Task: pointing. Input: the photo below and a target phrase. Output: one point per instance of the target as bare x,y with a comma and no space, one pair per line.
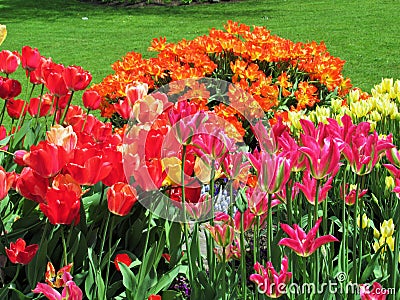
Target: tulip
19,253
269,281
30,58
323,161
136,91
19,157
222,234
364,221
258,201
88,166
122,258
273,170
58,279
309,186
44,105
350,198
75,78
120,198
304,244
91,100
71,291
9,61
55,83
32,186
123,108
62,136
6,182
3,33
9,88
38,159
154,297
16,108
376,293
387,228
61,205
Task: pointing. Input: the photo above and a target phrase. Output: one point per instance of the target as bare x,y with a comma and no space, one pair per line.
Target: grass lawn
365,35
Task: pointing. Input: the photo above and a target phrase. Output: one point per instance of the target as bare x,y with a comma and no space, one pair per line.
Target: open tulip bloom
304,244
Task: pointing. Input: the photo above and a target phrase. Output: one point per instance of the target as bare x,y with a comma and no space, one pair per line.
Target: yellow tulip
389,183
172,166
377,234
390,242
387,228
3,33
365,221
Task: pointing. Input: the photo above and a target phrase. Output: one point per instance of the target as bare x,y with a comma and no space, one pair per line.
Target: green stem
109,256
243,257
185,225
223,273
40,104
256,238
356,205
269,228
361,239
66,108
2,112
55,111
64,246
316,254
5,289
211,243
84,122
103,240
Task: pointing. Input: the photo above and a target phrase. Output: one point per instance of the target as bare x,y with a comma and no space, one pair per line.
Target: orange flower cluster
278,74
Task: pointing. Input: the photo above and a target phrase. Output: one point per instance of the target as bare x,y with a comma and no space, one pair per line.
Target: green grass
365,34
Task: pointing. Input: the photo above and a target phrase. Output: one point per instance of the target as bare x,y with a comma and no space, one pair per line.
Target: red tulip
120,198
9,61
304,244
123,108
54,81
19,253
6,182
154,297
88,166
9,88
38,159
113,156
91,99
269,281
36,76
19,157
32,186
62,205
30,58
16,107
122,258
45,106
76,78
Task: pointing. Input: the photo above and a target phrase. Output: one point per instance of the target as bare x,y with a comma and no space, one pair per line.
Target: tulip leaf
241,200
18,136
5,141
172,295
174,235
29,139
167,279
372,265
128,278
37,267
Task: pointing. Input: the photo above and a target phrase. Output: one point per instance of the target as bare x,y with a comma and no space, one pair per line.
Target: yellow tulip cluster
384,236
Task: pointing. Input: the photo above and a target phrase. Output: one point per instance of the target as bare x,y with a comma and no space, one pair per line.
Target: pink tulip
273,170
309,186
9,61
270,282
304,244
376,292
322,161
223,234
71,291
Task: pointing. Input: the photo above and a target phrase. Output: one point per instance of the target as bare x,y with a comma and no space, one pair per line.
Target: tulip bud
19,157
365,221
389,183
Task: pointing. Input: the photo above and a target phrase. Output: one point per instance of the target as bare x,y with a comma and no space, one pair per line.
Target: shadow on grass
23,10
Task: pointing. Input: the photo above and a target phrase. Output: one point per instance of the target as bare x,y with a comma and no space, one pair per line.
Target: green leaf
18,136
37,267
372,264
241,200
128,278
167,279
172,295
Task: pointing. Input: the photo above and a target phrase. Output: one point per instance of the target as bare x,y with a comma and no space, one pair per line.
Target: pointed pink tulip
269,281
222,234
309,185
9,61
273,170
322,161
304,244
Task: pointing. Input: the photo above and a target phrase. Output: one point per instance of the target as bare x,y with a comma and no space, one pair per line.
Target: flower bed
219,160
